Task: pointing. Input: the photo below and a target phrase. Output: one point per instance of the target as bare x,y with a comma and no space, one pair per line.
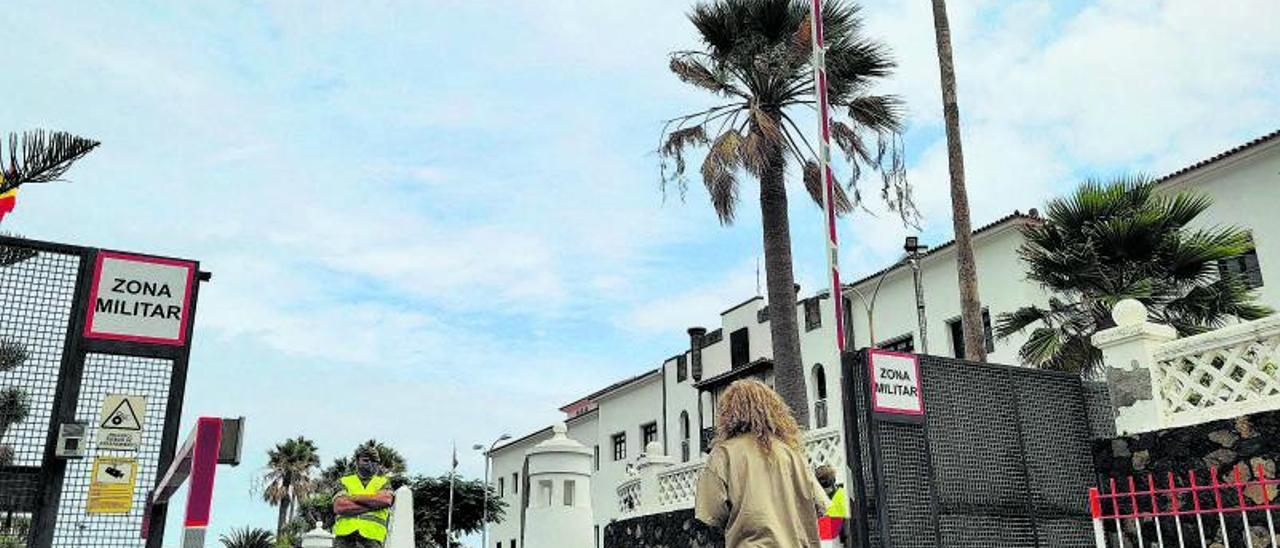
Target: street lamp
484,521
915,250
870,304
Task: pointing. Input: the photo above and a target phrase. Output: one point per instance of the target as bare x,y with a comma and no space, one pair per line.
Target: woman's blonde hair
750,407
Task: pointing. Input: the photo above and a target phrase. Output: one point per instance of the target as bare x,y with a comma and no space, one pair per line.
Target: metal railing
1195,511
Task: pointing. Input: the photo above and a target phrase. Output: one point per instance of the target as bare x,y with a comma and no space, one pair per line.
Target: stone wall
1217,447
668,530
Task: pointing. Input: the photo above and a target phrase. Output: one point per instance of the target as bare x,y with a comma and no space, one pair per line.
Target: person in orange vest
363,506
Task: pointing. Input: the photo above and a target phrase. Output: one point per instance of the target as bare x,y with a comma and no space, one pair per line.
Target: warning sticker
112,484
120,422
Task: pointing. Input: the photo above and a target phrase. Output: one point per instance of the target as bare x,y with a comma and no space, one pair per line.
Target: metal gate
58,375
1001,457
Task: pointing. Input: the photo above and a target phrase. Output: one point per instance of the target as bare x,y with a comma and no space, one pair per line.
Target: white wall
1246,192
623,410
1002,286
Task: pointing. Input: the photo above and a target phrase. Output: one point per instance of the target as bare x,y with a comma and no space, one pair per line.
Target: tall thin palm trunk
780,282
975,348
283,516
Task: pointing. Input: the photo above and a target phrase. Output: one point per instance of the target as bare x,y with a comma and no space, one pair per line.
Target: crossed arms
354,505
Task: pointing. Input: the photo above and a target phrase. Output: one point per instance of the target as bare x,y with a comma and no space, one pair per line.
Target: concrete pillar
317,538
652,463
400,531
1128,351
559,513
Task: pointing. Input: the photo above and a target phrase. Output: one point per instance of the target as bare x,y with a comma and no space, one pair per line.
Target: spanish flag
7,201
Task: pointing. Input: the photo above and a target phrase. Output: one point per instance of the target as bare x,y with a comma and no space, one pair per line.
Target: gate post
1127,351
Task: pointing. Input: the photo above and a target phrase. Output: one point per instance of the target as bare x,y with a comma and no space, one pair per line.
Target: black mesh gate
50,375
1001,458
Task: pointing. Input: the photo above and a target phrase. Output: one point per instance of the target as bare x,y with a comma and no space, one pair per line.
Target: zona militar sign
895,383
140,299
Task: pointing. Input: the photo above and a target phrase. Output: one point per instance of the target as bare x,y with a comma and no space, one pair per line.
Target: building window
762,315
502,487
597,457
515,483
820,391
619,446
905,343
957,334
544,492
684,436
569,487
513,543
648,434
1244,267
812,314
682,368
739,348
499,544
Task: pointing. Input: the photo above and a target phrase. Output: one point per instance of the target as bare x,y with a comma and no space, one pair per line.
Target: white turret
559,513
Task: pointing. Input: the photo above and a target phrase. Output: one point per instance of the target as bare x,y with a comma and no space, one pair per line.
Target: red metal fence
1191,511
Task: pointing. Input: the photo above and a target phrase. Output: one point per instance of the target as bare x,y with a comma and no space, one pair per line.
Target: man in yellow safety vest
838,511
363,505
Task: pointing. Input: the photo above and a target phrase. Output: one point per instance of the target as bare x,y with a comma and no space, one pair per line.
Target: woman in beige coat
757,484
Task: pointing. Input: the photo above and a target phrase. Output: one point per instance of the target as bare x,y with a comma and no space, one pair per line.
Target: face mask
366,469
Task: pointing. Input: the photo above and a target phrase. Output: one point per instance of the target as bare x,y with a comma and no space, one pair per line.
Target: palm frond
718,174
12,354
40,156
814,184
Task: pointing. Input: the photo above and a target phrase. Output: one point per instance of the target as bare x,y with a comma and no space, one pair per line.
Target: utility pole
484,521
915,250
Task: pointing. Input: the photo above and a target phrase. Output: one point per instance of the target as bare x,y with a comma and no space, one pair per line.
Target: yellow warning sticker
112,484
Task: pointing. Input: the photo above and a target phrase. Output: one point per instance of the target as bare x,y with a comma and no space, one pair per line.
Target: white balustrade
677,485
1221,374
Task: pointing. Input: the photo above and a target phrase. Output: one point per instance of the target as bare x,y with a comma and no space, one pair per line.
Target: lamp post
870,304
484,521
915,250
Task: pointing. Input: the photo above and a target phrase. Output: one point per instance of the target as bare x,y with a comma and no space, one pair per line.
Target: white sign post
895,383
140,299
120,422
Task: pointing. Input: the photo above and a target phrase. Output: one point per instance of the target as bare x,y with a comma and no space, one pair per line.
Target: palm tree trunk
284,509
788,368
975,347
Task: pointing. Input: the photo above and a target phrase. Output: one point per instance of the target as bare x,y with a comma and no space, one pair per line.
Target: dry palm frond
718,174
695,72
41,157
814,184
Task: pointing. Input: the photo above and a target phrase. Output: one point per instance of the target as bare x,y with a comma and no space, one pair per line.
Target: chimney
695,351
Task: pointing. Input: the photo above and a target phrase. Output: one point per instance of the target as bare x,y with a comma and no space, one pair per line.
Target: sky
440,221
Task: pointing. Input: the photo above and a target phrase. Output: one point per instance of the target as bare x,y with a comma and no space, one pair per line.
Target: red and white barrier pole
204,464
1099,528
824,164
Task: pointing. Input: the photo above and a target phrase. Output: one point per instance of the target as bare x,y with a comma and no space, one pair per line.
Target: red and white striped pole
824,164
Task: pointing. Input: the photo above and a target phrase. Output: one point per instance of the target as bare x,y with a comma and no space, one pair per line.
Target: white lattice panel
1221,369
676,488
629,497
824,447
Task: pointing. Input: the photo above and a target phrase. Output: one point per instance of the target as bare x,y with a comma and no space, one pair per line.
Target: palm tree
247,538
288,475
1120,240
967,271
756,59
34,157
40,156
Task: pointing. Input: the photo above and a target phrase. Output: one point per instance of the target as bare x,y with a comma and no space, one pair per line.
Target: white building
674,403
